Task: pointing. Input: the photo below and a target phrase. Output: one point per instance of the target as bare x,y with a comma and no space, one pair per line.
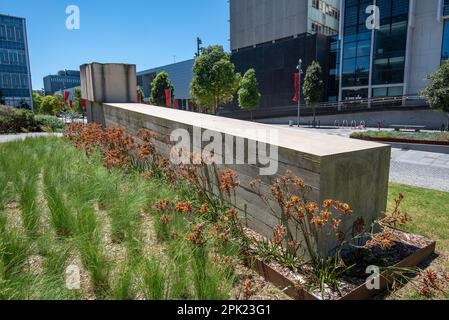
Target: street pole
299,67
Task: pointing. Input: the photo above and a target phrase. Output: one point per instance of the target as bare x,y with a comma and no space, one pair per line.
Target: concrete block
352,171
109,82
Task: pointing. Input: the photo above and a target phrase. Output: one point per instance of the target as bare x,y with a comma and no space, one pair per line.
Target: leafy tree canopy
160,83
437,91
313,84
248,93
214,80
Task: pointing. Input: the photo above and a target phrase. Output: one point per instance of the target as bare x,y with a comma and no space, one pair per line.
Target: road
415,168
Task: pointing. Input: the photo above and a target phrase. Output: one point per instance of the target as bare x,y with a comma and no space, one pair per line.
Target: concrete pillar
109,83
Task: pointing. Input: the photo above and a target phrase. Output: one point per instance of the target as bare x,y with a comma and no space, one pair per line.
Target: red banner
66,95
71,104
168,98
296,97
83,103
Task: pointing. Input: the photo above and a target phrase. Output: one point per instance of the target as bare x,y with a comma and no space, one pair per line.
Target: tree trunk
216,106
314,116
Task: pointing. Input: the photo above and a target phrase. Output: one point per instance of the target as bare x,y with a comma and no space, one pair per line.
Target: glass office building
393,58
64,79
15,75
445,50
373,59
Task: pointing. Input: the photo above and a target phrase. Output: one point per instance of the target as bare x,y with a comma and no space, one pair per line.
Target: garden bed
438,138
410,251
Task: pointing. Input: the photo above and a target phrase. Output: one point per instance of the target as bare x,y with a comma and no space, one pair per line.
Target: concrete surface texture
109,82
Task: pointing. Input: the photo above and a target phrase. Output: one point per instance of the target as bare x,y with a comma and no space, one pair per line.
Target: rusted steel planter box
359,293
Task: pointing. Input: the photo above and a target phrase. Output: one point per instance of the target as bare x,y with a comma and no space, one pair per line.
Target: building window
446,8
445,50
357,45
388,92
2,32
356,94
390,42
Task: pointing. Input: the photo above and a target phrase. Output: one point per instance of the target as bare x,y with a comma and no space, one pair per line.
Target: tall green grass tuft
61,219
90,248
28,202
124,289
155,280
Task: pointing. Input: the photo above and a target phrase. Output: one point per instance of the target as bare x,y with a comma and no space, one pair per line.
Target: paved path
415,168
421,169
23,136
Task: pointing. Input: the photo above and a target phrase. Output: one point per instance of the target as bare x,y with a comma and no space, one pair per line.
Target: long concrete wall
352,171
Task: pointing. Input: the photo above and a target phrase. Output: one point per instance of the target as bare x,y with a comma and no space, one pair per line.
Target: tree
51,105
141,93
437,91
77,107
313,86
214,80
2,99
160,83
248,93
37,102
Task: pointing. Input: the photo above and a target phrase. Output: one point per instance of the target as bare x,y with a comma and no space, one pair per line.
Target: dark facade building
271,36
15,74
62,80
275,65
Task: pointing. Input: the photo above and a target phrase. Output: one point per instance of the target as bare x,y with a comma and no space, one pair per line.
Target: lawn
429,210
420,136
62,211
134,236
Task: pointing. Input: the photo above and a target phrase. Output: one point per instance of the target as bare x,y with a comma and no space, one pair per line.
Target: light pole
299,67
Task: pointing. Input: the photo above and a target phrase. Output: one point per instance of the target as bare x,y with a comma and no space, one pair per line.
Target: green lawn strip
424,136
429,210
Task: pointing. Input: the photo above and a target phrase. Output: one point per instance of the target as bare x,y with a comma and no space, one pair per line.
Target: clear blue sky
147,33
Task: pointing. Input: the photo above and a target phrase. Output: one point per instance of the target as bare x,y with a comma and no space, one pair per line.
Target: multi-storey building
15,75
394,57
180,74
254,22
62,80
271,36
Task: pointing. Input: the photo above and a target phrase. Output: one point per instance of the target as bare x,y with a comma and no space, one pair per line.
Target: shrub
49,123
16,120
22,120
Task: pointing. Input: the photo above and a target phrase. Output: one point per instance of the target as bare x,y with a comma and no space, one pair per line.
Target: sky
148,33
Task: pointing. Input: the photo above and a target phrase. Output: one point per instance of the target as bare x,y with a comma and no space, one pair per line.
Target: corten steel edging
399,140
360,293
